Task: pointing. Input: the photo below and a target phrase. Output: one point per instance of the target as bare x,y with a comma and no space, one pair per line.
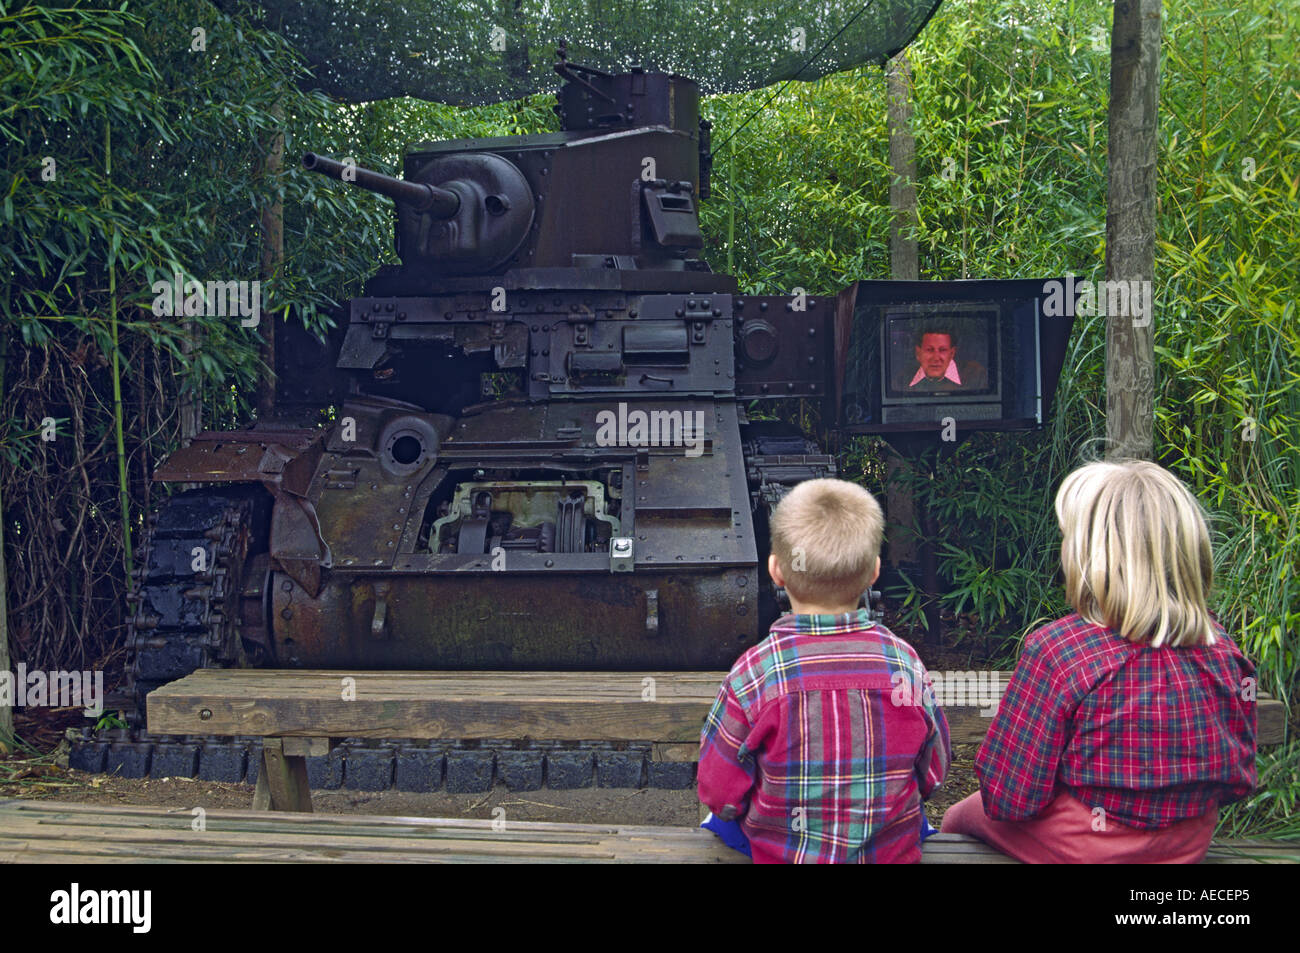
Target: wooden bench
55,832
301,713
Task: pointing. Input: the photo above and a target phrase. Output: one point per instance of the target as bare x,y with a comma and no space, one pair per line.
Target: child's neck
810,608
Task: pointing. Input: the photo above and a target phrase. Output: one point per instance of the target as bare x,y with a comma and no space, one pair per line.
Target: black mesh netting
471,52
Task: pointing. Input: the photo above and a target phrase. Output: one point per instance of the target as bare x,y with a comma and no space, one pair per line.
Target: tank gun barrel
440,203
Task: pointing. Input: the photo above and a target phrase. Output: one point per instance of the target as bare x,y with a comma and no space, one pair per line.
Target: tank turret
614,190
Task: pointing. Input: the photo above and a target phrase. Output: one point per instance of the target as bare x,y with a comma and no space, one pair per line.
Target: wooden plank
1270,727
592,706
960,849
111,839
99,833
286,778
66,812
59,832
261,791
307,747
597,706
117,840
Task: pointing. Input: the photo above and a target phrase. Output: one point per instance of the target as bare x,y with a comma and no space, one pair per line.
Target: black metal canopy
472,52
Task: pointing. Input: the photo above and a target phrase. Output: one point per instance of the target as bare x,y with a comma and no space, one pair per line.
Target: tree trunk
903,261
903,266
191,403
1130,226
272,260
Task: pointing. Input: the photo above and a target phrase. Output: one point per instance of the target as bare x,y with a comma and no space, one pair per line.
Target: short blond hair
1136,553
826,538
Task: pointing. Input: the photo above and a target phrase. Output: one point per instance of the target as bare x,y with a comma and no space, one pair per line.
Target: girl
1126,724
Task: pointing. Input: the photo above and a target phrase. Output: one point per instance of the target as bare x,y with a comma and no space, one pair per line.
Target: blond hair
826,537
1136,553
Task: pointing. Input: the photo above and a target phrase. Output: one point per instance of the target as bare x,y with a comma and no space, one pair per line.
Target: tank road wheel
197,600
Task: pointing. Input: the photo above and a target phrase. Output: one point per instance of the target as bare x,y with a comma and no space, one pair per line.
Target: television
918,355
940,358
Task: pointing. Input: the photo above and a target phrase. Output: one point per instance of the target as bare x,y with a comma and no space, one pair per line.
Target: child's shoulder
896,643
1069,641
792,637
1073,638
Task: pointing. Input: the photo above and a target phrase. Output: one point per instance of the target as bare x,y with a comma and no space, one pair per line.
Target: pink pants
1067,832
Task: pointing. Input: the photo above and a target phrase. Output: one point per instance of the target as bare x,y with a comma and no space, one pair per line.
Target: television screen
947,353
916,356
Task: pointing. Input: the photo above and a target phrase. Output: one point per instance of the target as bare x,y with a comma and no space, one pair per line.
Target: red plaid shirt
1151,736
809,741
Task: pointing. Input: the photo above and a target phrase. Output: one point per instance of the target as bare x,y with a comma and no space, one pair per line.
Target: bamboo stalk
6,713
731,211
123,496
272,261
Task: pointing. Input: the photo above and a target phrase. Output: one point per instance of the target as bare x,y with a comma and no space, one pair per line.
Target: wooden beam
561,706
307,747
553,705
286,778
62,832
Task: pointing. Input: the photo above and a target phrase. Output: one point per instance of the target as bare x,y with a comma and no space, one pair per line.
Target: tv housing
1006,355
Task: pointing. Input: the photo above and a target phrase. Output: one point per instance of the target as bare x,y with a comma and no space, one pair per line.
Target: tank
538,454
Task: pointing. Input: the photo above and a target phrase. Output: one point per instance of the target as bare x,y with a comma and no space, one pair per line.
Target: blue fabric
729,832
926,829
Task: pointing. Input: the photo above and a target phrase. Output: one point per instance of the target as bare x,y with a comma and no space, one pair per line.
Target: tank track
186,599
183,620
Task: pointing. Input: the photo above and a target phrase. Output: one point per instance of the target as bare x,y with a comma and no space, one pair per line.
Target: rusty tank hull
613,532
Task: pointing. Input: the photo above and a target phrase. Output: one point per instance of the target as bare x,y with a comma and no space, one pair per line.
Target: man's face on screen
935,354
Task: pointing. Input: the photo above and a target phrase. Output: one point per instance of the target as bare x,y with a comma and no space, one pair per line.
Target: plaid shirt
818,739
1151,736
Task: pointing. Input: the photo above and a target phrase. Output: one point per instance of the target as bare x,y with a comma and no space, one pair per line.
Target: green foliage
128,158
1010,122
1229,417
109,720
1273,811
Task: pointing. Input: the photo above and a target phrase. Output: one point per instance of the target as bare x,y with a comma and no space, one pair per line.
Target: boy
822,741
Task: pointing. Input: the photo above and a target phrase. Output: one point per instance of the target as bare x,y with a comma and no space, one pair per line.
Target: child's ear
875,573
774,570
